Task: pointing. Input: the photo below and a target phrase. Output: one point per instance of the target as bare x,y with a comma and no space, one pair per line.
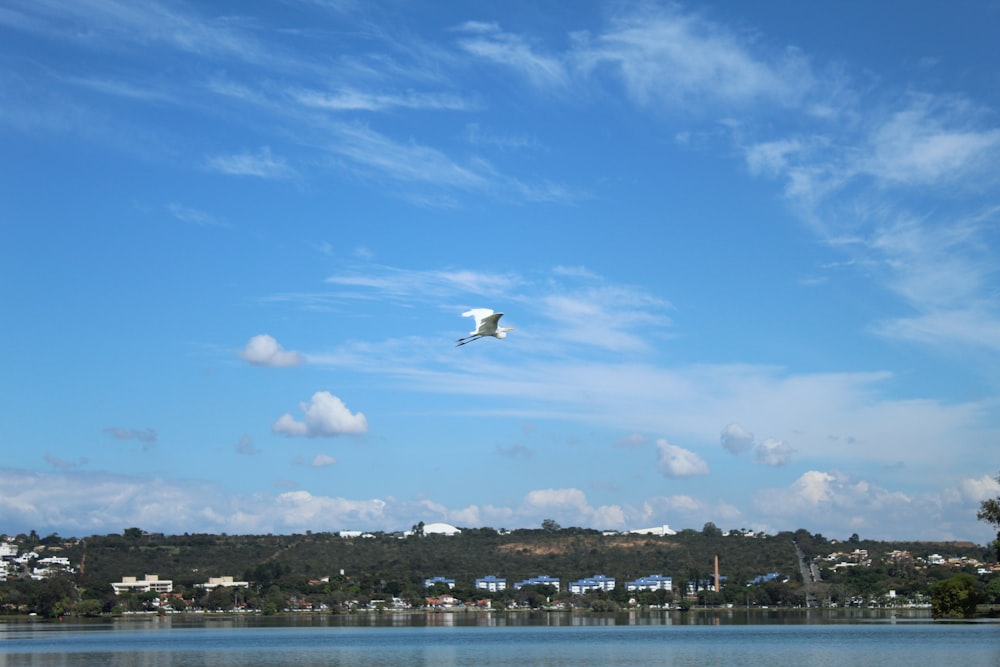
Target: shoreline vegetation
708,571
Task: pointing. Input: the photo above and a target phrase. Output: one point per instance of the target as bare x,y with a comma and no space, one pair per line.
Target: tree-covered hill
329,571
568,554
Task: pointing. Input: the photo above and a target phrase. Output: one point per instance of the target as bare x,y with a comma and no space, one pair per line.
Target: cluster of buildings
840,560
598,582
151,583
30,562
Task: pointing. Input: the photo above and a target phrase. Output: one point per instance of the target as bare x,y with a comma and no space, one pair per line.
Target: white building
654,582
440,529
152,582
657,530
439,580
598,582
491,583
225,582
541,580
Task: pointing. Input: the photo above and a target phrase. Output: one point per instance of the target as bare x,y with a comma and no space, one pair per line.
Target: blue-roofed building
541,580
654,582
764,578
598,582
439,580
491,583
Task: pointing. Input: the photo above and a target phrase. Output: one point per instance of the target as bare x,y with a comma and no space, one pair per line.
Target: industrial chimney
717,589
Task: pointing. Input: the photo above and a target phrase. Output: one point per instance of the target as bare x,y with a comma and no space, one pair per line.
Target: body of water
505,640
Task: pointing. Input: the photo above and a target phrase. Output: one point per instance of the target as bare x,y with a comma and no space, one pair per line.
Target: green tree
955,597
711,530
550,526
989,511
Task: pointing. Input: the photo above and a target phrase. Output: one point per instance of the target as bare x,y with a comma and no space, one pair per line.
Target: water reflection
750,638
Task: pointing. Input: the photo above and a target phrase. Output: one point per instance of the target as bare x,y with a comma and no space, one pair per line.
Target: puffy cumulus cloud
325,416
681,511
81,503
773,452
978,489
736,439
674,461
301,509
264,350
322,461
557,499
568,507
834,502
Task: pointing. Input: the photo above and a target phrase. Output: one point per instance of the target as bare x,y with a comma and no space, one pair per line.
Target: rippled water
505,640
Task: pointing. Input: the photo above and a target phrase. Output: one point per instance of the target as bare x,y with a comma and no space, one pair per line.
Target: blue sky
750,251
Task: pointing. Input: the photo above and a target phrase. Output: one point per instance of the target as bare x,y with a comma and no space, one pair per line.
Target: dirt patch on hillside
563,546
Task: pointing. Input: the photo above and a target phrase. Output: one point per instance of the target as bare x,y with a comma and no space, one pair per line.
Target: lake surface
747,639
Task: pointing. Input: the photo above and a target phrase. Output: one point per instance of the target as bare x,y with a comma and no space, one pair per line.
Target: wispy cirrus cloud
352,99
668,58
147,437
262,164
939,154
486,40
195,216
394,282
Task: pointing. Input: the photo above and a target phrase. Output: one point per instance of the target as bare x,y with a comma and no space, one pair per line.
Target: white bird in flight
487,324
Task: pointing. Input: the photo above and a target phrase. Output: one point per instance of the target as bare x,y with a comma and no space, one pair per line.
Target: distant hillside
568,554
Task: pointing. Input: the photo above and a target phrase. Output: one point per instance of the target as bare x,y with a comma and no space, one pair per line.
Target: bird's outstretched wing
489,324
486,320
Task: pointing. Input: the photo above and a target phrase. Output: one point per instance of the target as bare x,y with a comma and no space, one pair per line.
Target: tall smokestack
717,589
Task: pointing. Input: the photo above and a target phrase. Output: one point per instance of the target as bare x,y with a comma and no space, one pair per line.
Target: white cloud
322,460
845,505
487,41
736,439
86,503
261,164
325,416
978,489
556,499
632,441
350,99
264,350
930,142
194,216
666,58
675,461
773,452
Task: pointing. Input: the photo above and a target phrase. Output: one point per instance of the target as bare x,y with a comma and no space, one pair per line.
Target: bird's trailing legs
467,339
